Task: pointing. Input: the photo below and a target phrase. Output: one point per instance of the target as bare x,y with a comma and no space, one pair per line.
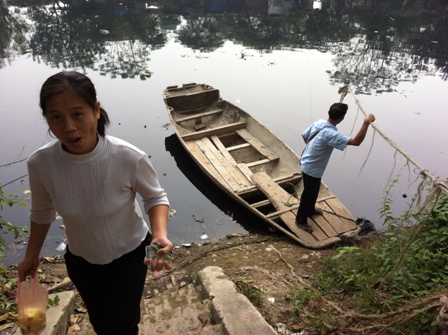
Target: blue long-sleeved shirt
317,152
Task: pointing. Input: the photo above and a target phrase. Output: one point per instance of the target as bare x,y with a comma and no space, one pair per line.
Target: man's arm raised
361,135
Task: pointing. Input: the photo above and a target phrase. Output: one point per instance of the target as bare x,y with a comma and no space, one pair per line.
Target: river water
284,69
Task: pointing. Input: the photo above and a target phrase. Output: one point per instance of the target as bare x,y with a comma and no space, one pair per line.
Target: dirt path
266,268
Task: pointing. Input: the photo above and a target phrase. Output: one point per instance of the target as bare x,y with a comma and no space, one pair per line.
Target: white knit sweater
95,194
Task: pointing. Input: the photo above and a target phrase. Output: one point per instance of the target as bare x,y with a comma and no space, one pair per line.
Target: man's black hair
337,110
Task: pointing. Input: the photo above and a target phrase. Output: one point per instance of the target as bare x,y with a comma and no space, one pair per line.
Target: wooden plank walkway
326,228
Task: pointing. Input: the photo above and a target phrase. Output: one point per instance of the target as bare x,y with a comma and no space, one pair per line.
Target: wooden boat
252,165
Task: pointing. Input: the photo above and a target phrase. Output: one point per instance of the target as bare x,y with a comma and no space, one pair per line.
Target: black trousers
111,292
311,186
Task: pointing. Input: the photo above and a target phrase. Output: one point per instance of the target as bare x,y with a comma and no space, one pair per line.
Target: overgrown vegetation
253,293
393,287
5,226
7,200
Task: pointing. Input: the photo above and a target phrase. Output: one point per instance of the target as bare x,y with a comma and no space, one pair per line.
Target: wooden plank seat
259,162
197,116
237,147
259,146
221,130
192,110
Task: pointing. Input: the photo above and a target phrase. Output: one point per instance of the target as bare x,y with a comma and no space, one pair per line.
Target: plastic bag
32,300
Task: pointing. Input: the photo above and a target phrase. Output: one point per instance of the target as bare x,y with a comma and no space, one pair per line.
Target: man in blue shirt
321,138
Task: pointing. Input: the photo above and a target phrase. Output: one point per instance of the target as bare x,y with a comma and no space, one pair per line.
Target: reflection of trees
72,39
390,47
64,40
264,33
374,49
12,34
201,33
302,29
133,37
430,42
375,46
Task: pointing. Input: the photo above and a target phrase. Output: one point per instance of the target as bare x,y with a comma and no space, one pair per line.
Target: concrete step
214,298
212,304
233,310
180,311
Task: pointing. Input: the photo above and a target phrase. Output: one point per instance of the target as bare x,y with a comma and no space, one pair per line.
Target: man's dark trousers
308,199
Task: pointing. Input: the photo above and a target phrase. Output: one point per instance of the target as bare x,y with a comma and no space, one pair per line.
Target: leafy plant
6,284
343,250
301,298
389,220
53,302
247,288
405,266
7,227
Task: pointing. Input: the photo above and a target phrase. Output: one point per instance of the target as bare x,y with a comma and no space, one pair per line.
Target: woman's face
73,122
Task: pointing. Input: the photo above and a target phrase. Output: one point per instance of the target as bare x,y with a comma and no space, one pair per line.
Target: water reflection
376,45
13,28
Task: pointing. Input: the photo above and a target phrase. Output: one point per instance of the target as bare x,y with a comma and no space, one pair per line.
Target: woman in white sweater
91,181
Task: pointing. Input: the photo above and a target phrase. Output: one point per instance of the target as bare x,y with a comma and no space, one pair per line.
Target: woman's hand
29,264
27,267
158,217
162,259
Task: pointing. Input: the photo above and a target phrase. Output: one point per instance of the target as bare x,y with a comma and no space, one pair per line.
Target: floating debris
104,32
204,236
199,220
147,72
62,246
172,213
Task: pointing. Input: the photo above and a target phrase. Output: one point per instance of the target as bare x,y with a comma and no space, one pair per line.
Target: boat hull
251,164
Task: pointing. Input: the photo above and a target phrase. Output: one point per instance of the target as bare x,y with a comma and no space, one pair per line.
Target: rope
437,183
442,319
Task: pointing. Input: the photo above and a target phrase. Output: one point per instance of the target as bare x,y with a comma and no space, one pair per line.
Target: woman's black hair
337,110
80,85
